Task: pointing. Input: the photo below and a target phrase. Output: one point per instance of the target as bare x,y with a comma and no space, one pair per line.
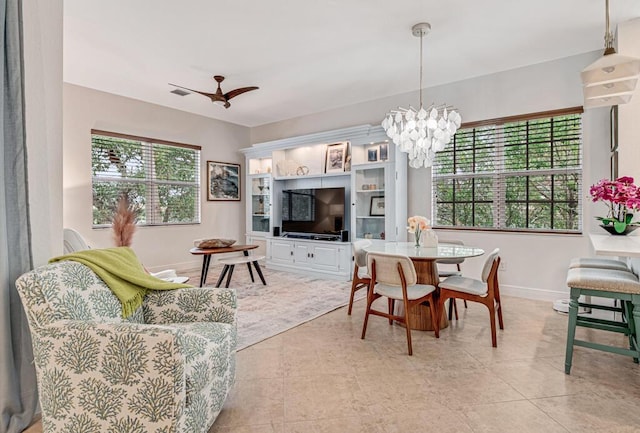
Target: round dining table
424,260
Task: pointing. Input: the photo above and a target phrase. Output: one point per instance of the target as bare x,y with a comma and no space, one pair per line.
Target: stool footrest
606,348
600,307
605,325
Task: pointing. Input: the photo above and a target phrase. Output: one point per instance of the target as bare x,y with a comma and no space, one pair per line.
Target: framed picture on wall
223,181
384,151
377,206
372,154
336,156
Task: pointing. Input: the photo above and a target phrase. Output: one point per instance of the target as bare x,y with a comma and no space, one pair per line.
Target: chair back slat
359,254
386,269
490,263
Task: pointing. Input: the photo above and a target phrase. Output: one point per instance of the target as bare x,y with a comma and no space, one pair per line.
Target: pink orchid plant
622,196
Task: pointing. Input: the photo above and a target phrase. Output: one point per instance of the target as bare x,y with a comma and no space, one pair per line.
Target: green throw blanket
121,270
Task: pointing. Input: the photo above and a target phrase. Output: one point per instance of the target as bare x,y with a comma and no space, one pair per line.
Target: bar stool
604,283
598,263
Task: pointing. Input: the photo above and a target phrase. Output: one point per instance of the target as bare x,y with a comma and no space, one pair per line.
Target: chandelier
422,132
611,79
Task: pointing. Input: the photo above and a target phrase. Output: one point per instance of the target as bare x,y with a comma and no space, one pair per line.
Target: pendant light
612,79
424,131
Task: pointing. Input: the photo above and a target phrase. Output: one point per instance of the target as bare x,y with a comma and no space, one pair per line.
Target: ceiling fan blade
209,95
240,91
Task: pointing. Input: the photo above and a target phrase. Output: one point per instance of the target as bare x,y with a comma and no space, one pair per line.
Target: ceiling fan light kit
422,132
612,79
218,97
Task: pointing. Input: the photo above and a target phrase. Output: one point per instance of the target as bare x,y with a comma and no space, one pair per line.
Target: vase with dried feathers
124,222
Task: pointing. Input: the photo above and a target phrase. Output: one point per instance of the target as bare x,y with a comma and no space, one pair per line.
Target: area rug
288,300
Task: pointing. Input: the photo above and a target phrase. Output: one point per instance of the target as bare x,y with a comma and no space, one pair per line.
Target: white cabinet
280,251
372,172
332,259
378,202
259,204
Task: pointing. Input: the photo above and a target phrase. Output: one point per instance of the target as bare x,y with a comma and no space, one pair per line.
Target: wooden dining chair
361,277
445,273
486,292
393,276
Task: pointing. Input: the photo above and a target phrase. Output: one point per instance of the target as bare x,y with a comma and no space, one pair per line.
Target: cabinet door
260,204
369,202
281,252
302,253
325,258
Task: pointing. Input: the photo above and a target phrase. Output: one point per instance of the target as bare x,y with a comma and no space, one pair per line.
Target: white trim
357,135
533,293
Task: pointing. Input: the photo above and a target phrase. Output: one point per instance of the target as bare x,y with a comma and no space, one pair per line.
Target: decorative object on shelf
421,132
611,79
347,163
621,196
377,206
368,236
213,243
303,170
287,167
418,224
336,157
365,187
372,154
383,153
223,181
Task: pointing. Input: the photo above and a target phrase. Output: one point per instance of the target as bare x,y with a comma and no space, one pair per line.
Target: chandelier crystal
422,132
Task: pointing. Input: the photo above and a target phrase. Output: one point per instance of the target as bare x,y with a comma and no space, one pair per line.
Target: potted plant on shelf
622,196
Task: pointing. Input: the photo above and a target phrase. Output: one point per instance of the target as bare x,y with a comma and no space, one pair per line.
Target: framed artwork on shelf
384,151
377,206
223,181
336,157
372,154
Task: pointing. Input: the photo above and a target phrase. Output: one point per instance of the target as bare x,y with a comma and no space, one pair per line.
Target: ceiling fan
219,97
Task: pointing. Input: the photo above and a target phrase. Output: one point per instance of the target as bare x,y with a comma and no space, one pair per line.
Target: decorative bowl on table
627,229
213,243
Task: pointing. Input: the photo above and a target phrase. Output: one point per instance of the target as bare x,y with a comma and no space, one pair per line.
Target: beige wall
534,265
157,247
629,114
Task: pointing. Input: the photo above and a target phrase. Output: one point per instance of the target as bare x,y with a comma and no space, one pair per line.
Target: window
161,179
522,173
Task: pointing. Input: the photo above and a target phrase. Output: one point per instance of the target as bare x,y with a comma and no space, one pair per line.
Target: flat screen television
313,210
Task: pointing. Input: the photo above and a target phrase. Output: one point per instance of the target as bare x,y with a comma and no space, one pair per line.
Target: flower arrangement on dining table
622,196
417,224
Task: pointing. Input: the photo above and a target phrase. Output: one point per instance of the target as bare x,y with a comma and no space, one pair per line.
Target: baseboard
533,293
183,266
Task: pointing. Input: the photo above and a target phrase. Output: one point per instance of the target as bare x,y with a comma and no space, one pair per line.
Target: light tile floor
321,378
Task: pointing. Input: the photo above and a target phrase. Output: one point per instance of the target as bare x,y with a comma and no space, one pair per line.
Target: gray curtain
18,397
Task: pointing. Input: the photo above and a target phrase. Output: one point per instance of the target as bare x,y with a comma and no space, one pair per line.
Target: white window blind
519,173
161,179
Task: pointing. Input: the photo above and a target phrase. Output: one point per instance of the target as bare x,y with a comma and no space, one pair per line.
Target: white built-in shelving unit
375,182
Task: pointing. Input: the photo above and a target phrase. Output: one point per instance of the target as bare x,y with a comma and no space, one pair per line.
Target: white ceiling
309,56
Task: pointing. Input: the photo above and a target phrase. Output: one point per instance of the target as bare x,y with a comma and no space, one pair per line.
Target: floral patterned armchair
167,368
